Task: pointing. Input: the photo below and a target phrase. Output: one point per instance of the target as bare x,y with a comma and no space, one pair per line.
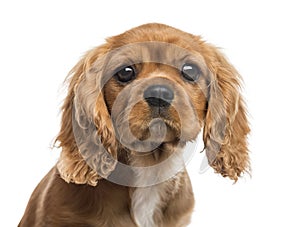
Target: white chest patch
144,203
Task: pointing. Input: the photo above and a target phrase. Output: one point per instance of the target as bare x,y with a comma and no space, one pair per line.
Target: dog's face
149,87
157,93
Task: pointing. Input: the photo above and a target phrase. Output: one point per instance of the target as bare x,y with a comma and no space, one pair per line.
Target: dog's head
150,87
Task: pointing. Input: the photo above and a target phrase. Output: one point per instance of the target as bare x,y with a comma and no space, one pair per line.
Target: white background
40,41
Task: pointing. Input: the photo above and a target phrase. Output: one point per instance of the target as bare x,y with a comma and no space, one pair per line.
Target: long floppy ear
226,126
86,135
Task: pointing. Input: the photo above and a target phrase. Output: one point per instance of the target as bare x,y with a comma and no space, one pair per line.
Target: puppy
132,105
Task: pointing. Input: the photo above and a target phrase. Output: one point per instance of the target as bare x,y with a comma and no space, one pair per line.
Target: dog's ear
226,126
86,135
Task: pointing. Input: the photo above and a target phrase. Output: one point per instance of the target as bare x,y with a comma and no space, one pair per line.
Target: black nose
158,95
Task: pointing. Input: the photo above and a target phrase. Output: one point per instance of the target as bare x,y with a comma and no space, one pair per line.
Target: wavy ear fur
86,125
226,125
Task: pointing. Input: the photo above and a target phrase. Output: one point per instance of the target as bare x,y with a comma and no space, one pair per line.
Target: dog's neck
150,158
148,203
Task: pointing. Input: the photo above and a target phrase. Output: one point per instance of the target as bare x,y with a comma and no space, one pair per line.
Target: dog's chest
144,203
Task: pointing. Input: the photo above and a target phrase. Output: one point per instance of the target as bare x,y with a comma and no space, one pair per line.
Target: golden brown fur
78,191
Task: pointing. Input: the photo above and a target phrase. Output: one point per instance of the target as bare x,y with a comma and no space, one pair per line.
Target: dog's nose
159,95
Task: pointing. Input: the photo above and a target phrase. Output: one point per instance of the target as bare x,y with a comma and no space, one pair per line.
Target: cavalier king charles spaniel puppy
133,104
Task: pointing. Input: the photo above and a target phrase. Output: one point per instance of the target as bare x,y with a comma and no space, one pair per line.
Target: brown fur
76,192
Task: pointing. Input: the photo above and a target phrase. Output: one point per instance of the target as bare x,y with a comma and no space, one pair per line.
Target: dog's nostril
159,95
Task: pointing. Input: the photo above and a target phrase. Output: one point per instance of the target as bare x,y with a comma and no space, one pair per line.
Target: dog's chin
151,135
160,129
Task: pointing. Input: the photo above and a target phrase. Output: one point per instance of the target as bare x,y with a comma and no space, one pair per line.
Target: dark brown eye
126,74
191,72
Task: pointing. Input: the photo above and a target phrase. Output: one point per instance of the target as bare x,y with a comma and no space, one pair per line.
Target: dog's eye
190,72
126,74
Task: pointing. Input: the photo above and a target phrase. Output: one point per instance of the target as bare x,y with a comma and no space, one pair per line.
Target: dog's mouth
149,134
162,132
160,129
